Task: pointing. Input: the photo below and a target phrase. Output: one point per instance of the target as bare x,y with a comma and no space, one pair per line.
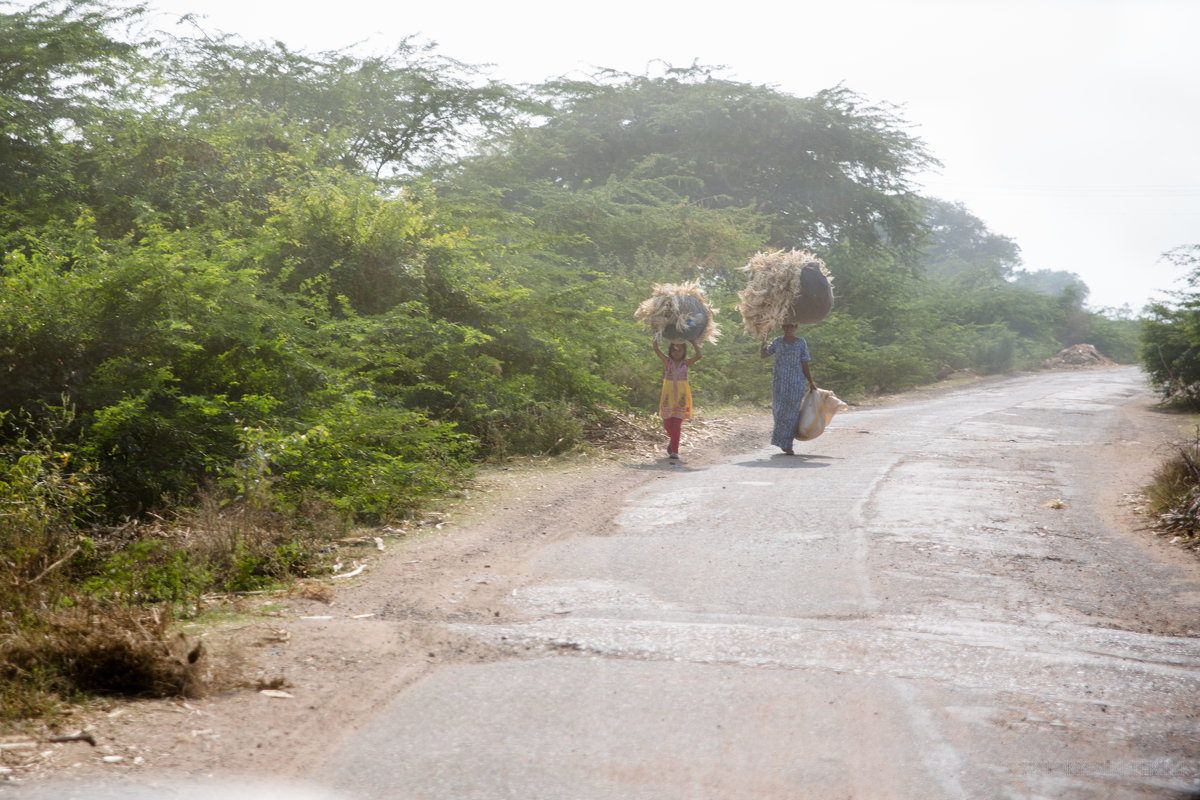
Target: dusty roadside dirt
341,647
328,666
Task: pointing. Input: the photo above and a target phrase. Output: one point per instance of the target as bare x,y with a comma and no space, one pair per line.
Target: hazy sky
1070,126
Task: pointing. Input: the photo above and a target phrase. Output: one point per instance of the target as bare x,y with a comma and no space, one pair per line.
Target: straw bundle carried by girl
784,287
679,312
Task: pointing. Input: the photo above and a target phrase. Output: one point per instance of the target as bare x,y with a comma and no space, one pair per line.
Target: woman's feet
787,451
672,454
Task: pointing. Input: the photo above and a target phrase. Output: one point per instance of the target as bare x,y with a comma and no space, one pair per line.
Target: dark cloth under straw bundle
679,312
784,287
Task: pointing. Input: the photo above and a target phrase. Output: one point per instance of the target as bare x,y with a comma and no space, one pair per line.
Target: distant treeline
340,279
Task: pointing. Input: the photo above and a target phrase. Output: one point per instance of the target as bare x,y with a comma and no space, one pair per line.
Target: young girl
675,404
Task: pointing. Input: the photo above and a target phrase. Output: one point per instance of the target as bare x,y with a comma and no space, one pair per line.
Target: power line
1097,191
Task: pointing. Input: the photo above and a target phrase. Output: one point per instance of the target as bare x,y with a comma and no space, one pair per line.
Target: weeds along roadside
92,611
89,611
1172,498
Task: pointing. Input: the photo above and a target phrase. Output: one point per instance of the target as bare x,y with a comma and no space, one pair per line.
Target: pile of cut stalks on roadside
1172,500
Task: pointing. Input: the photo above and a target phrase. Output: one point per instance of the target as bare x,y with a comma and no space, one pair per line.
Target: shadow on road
665,465
798,461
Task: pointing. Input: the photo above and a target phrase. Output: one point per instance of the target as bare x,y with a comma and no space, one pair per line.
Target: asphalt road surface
926,602
941,597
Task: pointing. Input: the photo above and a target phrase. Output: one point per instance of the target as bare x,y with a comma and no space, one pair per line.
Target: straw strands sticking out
781,290
679,311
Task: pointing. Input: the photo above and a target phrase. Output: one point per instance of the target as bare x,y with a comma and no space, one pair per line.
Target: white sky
1070,126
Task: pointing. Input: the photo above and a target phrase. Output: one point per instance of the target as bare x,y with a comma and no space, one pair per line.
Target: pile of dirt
1077,356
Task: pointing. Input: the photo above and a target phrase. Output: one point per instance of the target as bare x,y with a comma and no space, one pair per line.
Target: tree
384,116
1053,283
1170,350
960,248
61,69
822,169
683,177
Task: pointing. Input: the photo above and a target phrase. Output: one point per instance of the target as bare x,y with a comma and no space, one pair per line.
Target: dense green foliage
343,278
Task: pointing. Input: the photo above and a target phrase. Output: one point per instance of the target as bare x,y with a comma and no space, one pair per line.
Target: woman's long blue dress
787,388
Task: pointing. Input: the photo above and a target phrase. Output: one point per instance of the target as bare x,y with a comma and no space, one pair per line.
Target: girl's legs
674,429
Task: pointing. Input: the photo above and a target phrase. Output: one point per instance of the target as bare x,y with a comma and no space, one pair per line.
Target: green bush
544,428
368,462
150,571
44,489
1170,338
892,368
159,447
995,349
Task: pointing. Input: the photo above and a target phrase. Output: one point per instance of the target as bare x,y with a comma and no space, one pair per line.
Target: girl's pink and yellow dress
676,399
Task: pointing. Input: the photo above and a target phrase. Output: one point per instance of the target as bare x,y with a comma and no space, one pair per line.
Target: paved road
927,603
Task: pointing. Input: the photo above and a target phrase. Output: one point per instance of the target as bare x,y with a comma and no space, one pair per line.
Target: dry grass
618,431
1173,497
95,614
311,590
784,286
677,307
95,649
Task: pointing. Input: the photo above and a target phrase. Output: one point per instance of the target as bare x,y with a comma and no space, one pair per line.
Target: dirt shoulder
330,655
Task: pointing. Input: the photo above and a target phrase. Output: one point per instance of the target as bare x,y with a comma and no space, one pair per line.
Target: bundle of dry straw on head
679,311
792,287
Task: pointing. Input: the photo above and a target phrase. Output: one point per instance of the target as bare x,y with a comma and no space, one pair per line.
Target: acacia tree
61,69
382,115
686,175
824,169
961,249
1170,335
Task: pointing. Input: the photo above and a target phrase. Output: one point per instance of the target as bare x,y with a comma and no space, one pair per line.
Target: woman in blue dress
790,377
